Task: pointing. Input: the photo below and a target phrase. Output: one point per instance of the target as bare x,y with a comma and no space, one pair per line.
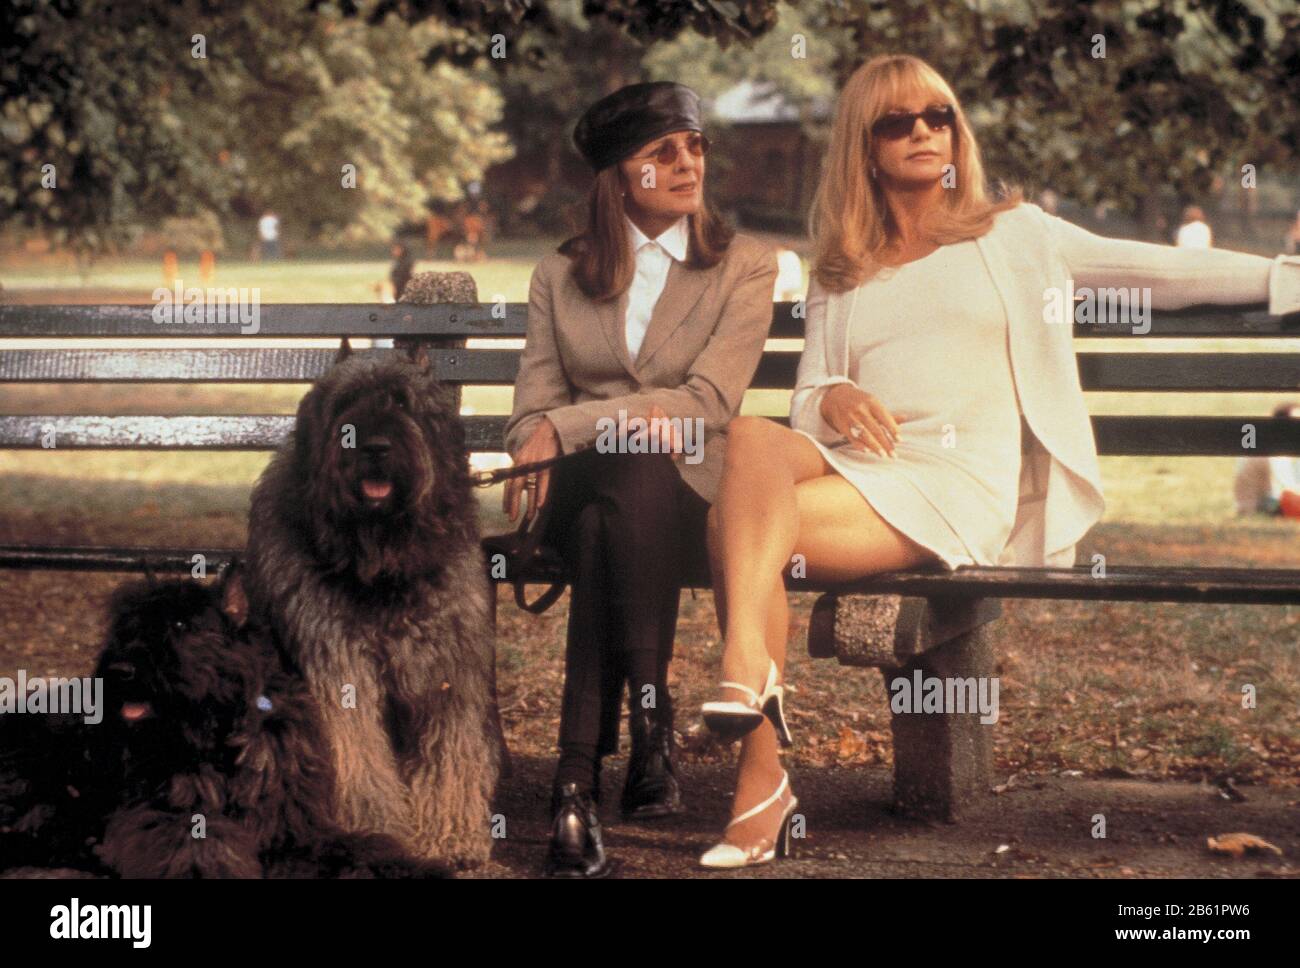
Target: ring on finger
857,431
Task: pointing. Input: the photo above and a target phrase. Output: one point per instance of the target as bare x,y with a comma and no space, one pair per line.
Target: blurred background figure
436,226
1292,238
1048,201
1269,485
474,222
1194,233
390,290
789,276
268,230
400,273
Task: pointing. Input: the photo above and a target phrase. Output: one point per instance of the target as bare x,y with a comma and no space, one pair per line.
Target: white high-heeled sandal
733,719
729,856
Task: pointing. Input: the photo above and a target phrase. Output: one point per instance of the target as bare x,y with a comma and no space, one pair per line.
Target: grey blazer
700,351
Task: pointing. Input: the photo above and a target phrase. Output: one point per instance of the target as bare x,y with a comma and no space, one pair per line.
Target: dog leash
522,545
488,478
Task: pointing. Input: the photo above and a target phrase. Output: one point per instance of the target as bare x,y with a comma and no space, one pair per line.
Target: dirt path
1044,822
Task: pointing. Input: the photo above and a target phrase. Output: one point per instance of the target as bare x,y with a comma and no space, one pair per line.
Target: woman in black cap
655,310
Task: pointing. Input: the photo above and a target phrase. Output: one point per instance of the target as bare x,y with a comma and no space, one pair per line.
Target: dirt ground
1041,827
1127,711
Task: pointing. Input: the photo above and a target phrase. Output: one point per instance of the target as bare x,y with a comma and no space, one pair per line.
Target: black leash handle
526,540
488,478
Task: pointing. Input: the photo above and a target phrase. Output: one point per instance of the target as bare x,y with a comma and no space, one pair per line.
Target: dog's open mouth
133,712
376,491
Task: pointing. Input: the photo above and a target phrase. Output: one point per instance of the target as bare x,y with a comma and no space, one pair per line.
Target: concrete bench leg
942,760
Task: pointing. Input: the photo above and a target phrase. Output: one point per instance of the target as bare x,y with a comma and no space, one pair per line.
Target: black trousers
628,528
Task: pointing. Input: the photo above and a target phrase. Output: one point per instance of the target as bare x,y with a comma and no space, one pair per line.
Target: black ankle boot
576,848
651,789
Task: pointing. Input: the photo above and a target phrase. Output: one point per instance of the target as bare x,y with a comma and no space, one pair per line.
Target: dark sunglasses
895,126
696,144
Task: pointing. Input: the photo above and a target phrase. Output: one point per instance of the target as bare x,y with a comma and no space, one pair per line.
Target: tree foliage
1185,89
137,128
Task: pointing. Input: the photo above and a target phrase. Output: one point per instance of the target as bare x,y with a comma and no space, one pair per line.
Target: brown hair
848,220
602,261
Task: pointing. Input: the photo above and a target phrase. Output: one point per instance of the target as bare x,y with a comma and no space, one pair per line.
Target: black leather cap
619,123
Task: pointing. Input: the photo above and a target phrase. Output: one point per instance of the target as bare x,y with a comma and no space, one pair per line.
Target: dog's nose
376,446
123,670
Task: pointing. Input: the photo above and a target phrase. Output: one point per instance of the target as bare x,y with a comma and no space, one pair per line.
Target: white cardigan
1029,254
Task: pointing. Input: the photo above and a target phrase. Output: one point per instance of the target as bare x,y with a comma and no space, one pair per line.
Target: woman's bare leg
779,498
757,525
758,771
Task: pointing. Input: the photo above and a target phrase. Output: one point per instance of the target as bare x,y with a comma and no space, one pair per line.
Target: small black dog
45,780
209,760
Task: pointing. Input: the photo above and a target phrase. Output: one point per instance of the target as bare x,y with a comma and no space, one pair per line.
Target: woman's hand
670,438
543,444
862,418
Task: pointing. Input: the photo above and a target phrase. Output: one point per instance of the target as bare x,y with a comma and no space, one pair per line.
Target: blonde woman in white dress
937,417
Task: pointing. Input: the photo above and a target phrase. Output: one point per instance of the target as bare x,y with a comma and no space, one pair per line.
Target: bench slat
273,319
1206,372
269,365
448,320
1195,436
1134,583
1128,436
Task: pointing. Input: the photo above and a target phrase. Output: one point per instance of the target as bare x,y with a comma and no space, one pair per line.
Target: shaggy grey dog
364,556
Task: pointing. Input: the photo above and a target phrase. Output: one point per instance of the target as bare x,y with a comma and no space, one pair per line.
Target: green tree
1186,89
138,128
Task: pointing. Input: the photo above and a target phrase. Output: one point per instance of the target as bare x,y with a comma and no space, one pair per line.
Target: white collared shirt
653,260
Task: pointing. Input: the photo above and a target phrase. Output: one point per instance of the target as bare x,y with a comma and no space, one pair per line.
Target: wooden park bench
933,622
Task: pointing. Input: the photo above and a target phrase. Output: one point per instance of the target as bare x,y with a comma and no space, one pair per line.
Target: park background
158,151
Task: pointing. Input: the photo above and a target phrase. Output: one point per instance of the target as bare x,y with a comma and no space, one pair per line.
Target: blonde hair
848,220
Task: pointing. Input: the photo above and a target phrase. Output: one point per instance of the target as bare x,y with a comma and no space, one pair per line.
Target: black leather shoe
576,848
651,789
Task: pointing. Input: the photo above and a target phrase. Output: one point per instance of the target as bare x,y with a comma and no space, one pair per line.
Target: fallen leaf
1239,844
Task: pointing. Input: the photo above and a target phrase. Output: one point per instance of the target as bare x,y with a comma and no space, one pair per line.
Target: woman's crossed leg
780,498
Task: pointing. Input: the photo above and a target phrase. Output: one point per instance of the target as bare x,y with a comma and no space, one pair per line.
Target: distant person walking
399,275
268,230
1292,237
1194,233
403,268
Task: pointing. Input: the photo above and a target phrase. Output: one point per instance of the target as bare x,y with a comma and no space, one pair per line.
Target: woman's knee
747,431
749,436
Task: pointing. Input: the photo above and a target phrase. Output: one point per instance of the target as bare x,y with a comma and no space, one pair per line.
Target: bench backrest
446,327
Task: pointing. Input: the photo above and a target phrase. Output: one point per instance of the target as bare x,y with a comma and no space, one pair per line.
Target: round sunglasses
666,154
895,126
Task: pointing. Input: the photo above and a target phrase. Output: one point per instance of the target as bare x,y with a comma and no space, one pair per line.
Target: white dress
930,340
